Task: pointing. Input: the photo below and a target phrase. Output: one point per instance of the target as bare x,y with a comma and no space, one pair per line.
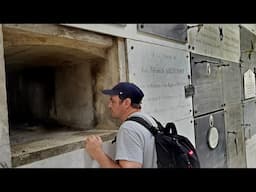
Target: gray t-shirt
135,143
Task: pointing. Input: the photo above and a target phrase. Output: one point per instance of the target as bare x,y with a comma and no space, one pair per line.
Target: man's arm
93,145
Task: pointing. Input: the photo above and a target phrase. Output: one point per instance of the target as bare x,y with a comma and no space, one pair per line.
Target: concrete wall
73,96
83,64
5,157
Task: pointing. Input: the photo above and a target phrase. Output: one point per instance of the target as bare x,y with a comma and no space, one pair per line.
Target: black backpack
173,150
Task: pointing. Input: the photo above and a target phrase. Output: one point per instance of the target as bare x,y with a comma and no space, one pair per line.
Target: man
135,145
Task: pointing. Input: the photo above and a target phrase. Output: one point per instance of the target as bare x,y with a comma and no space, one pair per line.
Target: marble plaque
206,77
249,84
162,73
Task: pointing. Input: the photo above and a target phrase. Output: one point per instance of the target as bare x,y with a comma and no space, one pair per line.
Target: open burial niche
54,88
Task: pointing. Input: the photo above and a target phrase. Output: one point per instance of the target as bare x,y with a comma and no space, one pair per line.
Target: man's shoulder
145,116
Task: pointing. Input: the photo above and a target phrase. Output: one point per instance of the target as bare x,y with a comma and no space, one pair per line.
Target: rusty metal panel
176,32
249,120
162,73
248,49
211,140
215,40
229,42
231,77
235,136
206,78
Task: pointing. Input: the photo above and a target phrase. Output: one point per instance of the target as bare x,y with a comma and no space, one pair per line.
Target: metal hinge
189,90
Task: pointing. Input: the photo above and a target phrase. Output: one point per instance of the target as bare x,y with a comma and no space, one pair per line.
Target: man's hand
93,145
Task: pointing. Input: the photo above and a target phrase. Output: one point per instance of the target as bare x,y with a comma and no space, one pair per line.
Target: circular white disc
213,137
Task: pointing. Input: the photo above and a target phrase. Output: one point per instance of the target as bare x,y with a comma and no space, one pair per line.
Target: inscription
161,72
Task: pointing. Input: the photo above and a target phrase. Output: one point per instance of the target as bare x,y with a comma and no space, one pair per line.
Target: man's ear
128,102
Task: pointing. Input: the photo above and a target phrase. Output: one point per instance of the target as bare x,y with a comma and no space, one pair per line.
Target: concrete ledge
54,144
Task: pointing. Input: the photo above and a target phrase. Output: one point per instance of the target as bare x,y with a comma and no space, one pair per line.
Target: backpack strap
152,129
159,125
171,126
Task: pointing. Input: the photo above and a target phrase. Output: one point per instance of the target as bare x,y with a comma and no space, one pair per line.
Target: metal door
176,32
206,78
231,79
211,140
235,136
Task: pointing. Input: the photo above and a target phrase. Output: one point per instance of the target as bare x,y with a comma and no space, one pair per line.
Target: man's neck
129,112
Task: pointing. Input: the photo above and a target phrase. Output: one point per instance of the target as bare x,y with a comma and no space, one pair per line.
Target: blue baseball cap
126,90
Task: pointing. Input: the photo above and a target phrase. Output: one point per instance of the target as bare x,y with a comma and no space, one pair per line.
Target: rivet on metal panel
193,47
189,46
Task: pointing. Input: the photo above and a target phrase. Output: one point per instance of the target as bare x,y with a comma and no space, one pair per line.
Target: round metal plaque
213,137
